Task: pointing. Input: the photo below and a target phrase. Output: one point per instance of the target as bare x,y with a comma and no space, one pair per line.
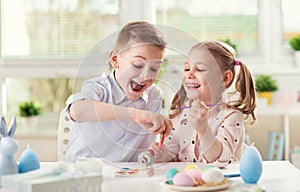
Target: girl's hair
139,32
244,85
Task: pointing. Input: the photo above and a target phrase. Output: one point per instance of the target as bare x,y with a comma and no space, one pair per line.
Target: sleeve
170,148
231,135
90,90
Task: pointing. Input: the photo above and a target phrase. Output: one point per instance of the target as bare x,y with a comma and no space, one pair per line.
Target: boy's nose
145,74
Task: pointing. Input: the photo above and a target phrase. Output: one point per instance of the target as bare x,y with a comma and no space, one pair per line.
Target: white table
277,176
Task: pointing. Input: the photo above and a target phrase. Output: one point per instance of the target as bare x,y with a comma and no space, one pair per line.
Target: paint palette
135,172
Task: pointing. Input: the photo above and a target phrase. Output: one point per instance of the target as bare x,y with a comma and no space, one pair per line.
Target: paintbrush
208,105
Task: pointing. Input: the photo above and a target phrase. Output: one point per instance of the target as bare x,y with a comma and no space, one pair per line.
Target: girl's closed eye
201,70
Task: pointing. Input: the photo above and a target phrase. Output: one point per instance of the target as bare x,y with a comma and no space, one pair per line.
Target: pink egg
182,179
196,175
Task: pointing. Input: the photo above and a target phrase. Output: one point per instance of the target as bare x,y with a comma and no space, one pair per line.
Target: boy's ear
113,58
227,77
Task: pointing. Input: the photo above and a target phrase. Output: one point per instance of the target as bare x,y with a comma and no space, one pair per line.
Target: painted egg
207,167
182,179
251,165
213,175
171,173
190,166
196,174
28,161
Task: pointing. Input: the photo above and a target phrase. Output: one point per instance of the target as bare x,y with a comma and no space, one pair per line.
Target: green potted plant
295,44
28,111
29,108
265,86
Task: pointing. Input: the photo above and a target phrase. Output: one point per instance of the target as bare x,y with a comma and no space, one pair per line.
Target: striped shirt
117,140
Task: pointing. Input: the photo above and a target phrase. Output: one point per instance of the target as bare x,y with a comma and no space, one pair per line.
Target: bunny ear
3,127
12,127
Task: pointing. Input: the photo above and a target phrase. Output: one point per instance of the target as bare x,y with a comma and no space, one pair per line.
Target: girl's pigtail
245,86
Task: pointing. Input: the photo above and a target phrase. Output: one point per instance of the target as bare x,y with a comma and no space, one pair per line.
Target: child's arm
94,111
211,148
165,153
224,146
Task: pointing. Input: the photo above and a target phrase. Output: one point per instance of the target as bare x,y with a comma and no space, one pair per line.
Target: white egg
213,175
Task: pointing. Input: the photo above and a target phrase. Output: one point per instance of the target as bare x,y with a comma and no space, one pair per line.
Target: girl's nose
190,74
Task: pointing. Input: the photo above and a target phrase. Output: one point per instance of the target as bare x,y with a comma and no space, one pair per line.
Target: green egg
171,172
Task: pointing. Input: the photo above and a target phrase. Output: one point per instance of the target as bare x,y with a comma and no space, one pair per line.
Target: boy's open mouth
136,86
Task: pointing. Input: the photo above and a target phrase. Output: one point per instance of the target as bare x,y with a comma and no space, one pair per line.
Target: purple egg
182,179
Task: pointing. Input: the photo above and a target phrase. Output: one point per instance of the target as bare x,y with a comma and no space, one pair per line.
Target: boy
115,114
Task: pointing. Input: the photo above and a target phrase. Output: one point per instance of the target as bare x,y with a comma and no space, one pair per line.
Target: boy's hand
156,123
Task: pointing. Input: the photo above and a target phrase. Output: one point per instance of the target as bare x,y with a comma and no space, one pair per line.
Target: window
214,20
55,28
290,18
42,42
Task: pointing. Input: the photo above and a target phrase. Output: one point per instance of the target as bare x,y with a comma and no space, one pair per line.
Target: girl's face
203,79
137,68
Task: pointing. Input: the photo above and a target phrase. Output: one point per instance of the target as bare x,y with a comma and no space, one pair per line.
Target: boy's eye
154,70
186,69
138,65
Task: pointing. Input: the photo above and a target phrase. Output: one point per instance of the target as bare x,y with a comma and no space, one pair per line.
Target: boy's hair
139,32
244,86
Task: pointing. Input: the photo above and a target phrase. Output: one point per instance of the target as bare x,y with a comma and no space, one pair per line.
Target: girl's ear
113,58
227,77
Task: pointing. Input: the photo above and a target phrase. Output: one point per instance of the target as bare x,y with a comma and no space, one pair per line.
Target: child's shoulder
103,79
229,111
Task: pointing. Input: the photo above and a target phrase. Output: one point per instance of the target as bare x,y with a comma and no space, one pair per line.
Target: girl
206,128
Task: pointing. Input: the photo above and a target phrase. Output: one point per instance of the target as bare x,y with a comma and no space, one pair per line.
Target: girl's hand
156,148
198,116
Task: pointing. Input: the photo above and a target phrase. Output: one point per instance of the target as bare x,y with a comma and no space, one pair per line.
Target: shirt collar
118,94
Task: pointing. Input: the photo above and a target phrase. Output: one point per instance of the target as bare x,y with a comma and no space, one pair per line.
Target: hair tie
236,62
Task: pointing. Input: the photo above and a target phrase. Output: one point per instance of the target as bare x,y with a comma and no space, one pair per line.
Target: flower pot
297,58
29,123
268,95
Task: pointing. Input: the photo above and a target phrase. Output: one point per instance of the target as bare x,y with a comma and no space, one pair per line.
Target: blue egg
251,165
28,161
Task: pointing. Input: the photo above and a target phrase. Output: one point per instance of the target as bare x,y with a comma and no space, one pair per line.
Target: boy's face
137,68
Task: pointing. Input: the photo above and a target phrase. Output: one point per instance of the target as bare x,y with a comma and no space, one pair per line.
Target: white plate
200,188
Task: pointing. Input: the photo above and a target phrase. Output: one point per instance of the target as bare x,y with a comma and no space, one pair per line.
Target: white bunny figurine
8,147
